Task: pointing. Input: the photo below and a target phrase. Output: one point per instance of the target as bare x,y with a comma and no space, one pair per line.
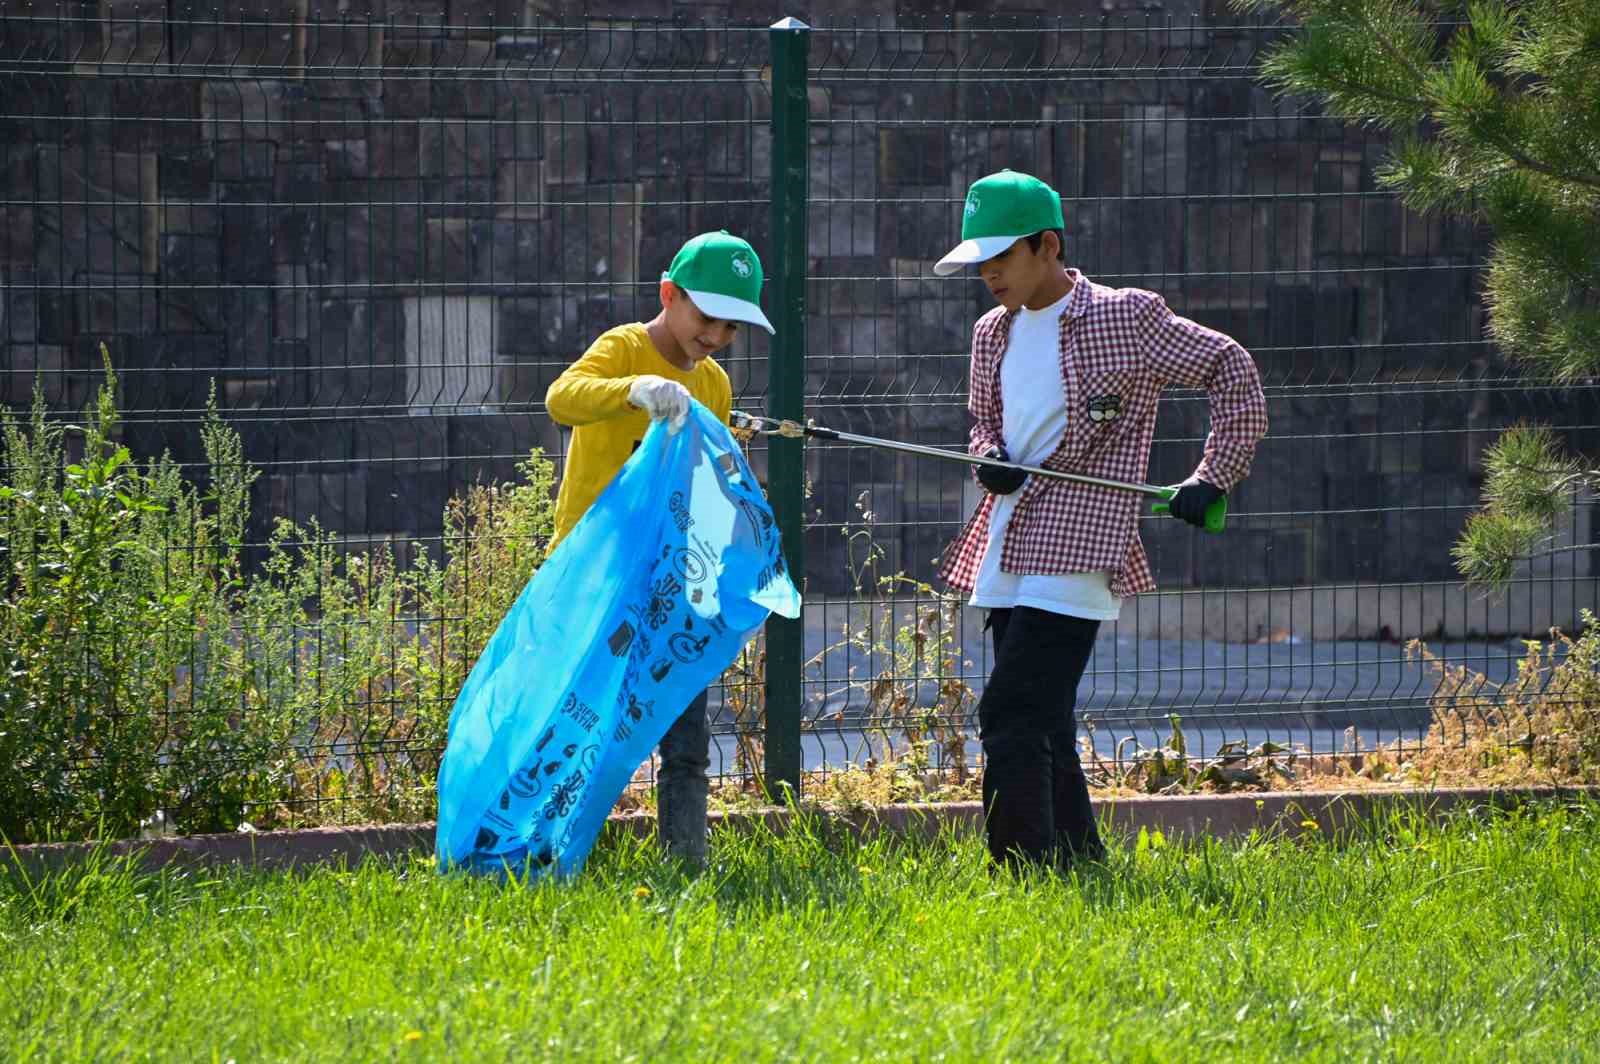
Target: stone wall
383,227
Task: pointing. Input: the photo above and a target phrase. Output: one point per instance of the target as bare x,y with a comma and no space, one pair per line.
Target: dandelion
1261,803
864,870
413,1036
641,892
1310,825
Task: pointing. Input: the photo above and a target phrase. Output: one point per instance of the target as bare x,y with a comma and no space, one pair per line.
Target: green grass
1475,941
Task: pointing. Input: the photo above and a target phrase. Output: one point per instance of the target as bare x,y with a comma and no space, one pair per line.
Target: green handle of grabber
1216,513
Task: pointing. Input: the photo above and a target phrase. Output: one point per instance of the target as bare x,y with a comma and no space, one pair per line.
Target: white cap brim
729,309
972,252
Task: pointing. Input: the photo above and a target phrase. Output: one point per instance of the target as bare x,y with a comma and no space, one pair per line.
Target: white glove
660,398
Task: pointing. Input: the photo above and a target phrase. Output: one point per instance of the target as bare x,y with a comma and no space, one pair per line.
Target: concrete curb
1329,813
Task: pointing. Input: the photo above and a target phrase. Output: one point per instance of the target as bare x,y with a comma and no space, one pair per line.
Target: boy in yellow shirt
629,376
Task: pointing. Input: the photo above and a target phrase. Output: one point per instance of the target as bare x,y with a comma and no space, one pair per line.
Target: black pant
1035,797
682,786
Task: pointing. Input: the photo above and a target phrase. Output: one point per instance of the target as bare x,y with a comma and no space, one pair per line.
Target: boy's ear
669,292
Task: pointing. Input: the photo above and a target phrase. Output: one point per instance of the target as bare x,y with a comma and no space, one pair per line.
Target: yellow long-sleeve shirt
591,395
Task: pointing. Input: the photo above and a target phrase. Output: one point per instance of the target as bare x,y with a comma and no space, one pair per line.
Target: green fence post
786,392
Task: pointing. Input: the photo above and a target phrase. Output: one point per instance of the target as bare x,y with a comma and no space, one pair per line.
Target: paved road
1305,692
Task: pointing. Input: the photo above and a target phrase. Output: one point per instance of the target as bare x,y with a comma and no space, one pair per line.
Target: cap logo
741,265
972,205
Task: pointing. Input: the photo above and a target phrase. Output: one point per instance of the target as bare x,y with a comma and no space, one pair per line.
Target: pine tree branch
1394,53
1508,147
1570,478
1418,102
1570,547
1527,161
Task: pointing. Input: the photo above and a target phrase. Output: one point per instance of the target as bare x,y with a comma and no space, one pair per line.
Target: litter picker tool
1216,513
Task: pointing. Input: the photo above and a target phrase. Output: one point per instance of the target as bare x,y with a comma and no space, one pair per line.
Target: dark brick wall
383,227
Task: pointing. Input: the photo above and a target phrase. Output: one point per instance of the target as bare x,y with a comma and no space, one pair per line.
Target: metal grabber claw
1216,514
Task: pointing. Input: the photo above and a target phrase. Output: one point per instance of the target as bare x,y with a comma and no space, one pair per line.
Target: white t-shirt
1034,419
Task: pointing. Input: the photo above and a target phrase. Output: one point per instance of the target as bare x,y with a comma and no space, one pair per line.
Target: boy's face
698,335
1014,275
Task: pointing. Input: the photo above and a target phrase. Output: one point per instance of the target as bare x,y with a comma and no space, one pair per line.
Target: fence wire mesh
1259,217
373,239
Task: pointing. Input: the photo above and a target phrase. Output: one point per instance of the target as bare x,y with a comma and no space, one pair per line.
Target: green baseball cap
1000,210
722,275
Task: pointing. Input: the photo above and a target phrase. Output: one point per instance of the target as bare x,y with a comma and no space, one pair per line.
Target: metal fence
381,234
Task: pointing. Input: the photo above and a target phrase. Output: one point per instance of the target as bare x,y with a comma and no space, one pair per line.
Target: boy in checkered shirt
1066,374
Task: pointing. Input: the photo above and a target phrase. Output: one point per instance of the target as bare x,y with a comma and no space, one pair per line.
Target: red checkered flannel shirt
1119,348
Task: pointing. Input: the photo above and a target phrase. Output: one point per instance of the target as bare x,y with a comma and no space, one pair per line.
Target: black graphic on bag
687,648
690,565
681,517
621,639
759,518
584,717
636,709
663,599
640,650
565,795
525,784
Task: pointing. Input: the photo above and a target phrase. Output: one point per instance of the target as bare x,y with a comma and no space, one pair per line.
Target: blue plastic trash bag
644,604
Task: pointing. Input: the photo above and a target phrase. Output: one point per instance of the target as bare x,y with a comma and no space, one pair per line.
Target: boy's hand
1194,495
1000,481
660,398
